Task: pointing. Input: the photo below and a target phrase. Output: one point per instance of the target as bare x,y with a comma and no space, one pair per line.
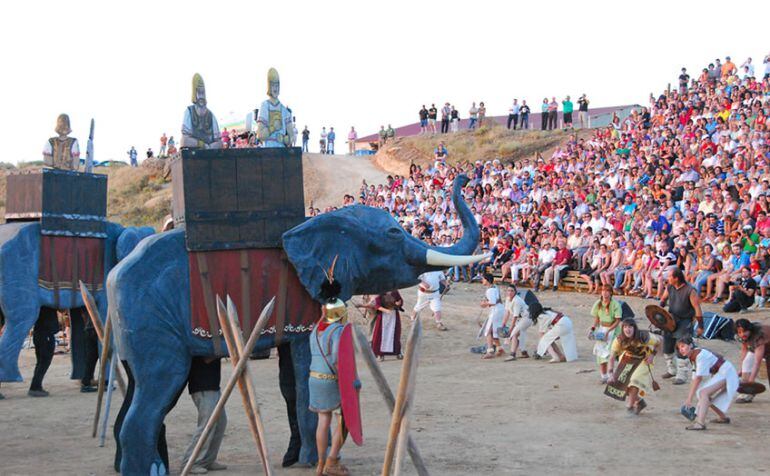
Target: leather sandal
696,427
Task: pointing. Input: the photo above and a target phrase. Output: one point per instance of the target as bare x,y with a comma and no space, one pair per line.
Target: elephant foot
158,469
292,454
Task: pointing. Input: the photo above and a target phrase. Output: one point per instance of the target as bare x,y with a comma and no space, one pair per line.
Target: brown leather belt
717,365
427,291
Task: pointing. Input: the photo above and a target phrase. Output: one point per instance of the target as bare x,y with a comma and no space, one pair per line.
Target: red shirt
563,256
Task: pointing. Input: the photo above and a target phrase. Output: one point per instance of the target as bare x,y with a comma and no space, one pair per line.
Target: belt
322,376
715,368
556,319
427,291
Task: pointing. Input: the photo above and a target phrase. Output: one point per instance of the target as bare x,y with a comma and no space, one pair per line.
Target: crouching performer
636,350
715,383
332,356
555,326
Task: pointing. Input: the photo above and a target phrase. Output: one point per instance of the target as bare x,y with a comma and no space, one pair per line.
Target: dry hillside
486,143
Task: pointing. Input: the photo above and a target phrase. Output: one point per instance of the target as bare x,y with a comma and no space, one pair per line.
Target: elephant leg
289,391
78,345
306,420
142,435
122,414
18,322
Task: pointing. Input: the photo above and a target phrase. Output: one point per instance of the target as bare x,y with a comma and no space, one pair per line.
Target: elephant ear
129,238
312,247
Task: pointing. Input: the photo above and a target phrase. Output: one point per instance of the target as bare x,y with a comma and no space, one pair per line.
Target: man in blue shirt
330,141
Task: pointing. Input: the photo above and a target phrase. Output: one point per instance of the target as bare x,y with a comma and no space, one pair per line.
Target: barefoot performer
754,338
555,326
606,313
632,343
715,382
518,311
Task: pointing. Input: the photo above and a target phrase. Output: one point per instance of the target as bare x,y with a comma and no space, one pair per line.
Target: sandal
721,421
440,326
488,355
640,405
696,427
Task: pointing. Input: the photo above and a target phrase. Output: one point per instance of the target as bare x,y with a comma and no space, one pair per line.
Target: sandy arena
471,416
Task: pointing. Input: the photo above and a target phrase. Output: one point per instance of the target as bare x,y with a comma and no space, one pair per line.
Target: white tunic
562,330
727,373
496,312
388,327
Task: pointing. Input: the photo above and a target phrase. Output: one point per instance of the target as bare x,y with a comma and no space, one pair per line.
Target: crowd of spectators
683,182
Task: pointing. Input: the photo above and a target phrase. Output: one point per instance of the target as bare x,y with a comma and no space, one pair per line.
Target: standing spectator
766,63
728,69
305,139
163,142
432,114
383,134
482,113
171,147
553,112
294,129
323,140
390,133
225,136
446,111
132,156
583,111
440,152
352,137
423,120
567,108
454,120
684,80
150,153
513,114
473,114
524,111
330,141
544,115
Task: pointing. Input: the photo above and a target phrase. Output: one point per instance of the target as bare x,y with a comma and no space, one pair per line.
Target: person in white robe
555,326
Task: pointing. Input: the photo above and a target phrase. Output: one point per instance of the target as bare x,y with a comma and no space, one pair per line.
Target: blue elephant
149,302
21,297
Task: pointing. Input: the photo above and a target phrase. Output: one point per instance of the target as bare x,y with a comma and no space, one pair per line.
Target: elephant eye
395,232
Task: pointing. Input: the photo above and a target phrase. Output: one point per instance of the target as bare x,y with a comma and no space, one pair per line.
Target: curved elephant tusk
436,258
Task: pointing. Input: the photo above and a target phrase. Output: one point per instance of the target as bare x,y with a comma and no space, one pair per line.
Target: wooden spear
102,371
247,348
387,394
93,313
402,395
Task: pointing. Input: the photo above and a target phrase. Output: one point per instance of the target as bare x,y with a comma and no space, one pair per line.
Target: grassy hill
487,143
136,196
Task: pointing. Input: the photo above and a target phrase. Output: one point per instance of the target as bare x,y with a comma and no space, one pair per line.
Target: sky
129,65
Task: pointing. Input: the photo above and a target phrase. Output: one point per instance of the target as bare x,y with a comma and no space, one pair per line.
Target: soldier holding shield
684,306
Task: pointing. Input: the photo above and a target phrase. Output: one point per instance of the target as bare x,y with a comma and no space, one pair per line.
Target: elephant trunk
461,253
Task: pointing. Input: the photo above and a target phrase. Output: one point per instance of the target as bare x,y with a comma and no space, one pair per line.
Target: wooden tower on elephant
234,205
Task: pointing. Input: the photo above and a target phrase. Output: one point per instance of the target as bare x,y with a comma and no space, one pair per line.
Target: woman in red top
386,335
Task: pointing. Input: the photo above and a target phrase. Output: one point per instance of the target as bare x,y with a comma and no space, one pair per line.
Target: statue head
273,84
63,125
198,91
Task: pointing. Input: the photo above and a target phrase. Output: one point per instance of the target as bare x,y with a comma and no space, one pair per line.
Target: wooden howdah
66,203
237,198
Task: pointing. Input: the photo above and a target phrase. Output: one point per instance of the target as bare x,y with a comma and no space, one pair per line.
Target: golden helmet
336,310
272,77
197,83
63,125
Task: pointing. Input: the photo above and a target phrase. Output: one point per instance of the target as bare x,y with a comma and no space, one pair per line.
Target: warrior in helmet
199,127
62,151
323,385
274,124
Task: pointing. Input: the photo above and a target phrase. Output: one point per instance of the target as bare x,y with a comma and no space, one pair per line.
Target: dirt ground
329,177
470,417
